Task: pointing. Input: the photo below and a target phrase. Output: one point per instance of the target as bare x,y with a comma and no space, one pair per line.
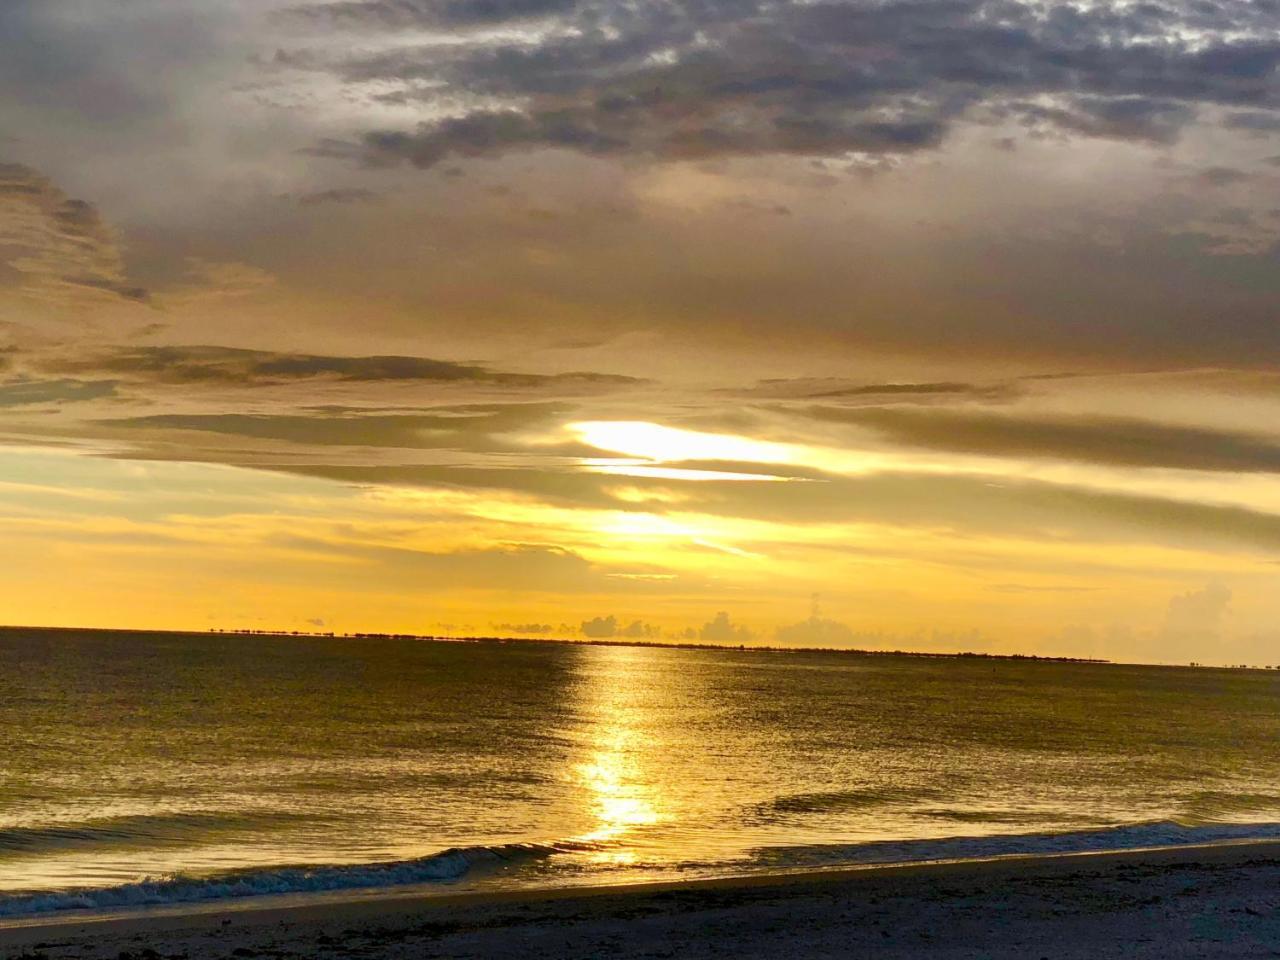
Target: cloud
871,394
337,195
1113,441
60,248
228,365
1255,120
604,134
521,568
817,79
530,629
406,14
1095,642
1194,621
720,629
914,390
209,280
1219,176
992,504
23,393
1135,118
816,632
469,427
1141,135
995,504
642,82
600,627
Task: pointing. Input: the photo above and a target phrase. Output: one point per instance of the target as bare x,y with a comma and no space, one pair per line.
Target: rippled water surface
219,765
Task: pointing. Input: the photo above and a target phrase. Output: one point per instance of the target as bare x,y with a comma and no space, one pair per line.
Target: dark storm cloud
227,365
721,79
1113,441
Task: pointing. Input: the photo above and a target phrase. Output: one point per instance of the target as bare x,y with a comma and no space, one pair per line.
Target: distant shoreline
586,642
671,645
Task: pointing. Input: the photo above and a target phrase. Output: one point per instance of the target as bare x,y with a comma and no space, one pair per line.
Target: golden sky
934,326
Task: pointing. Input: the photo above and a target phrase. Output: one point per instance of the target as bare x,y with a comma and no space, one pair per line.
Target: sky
921,324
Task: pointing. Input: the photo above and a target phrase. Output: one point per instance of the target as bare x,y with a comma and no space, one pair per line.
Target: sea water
151,768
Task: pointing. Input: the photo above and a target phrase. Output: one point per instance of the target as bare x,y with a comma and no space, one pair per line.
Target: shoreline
288,885
672,644
403,917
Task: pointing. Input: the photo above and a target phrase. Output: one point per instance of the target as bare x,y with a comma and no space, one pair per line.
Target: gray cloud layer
723,79
403,14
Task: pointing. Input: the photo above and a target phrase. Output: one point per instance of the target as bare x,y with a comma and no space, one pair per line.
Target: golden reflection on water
620,793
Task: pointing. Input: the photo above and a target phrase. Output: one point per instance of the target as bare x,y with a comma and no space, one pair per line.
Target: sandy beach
1201,902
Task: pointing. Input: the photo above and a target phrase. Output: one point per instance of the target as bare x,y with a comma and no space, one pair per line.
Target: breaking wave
445,866
454,864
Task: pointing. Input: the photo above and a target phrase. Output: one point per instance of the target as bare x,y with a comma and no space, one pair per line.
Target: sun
652,441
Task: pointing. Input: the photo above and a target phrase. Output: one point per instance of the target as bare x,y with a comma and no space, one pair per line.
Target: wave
1206,808
1134,836
145,829
456,863
446,866
1210,806
837,801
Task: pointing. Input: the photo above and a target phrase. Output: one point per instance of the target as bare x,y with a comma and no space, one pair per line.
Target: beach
1218,901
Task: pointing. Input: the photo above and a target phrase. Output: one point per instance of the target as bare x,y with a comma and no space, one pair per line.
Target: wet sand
1221,901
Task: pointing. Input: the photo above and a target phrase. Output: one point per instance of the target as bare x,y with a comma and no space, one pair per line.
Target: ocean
151,768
